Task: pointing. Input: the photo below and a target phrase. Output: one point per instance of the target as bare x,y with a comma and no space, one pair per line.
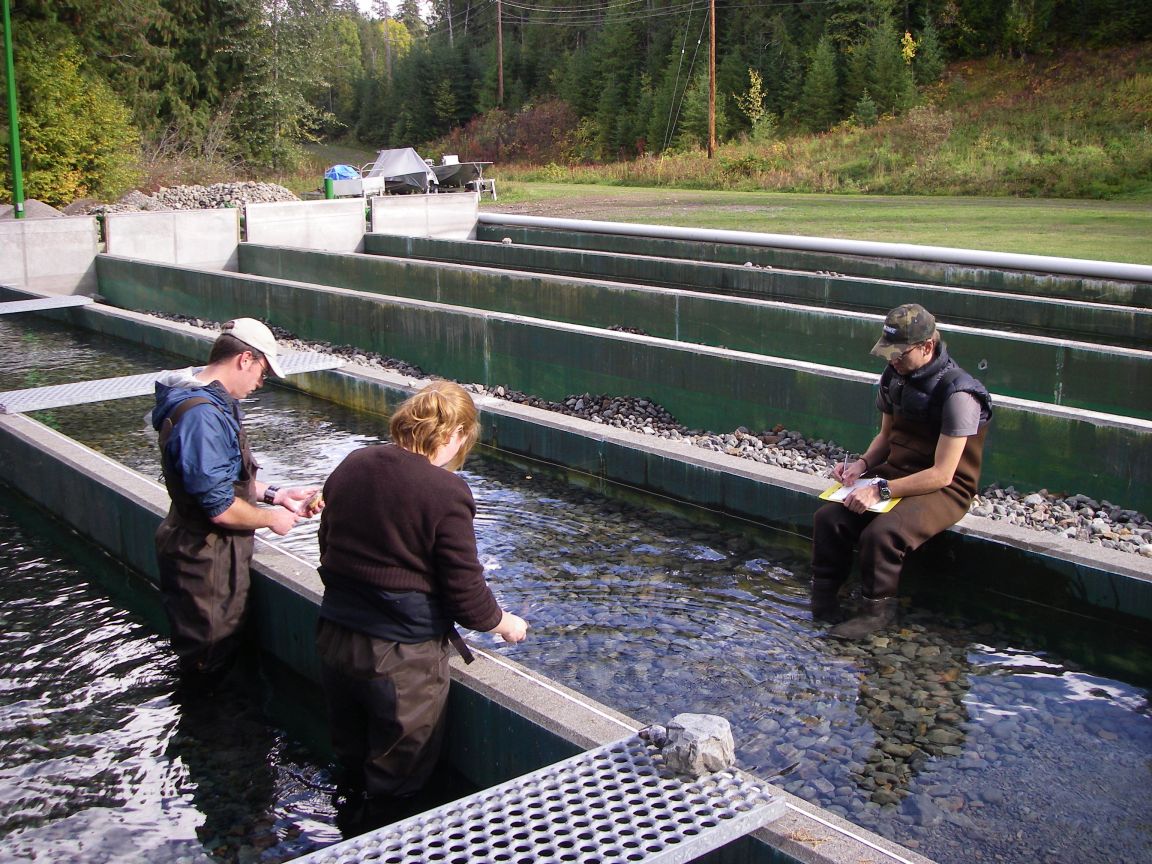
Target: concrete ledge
706,388
1063,318
1070,278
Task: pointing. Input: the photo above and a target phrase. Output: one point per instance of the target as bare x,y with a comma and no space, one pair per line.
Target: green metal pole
13,120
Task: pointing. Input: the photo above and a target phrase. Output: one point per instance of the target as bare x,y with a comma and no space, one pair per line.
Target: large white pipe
942,254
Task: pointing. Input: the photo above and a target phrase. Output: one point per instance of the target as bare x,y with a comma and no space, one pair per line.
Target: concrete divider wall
336,225
1076,374
1136,294
197,238
977,554
451,216
51,256
1069,319
1030,446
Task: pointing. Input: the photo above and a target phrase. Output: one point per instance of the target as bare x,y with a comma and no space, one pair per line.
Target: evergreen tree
878,66
820,100
928,68
889,81
782,65
275,114
866,113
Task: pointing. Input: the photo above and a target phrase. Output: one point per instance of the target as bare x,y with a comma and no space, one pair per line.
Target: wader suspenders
166,432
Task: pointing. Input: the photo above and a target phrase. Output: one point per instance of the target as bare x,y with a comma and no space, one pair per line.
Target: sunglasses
265,369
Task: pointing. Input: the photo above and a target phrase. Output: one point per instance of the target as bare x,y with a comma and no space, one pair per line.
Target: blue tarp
341,172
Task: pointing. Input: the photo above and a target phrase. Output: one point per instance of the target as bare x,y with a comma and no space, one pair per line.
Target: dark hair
227,346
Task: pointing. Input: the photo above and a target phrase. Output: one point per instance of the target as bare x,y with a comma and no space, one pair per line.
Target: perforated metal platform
80,392
11,306
614,804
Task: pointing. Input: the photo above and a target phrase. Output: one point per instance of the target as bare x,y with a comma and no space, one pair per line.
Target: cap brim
888,351
274,366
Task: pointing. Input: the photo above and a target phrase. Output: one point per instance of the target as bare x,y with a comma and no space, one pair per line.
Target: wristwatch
270,494
885,492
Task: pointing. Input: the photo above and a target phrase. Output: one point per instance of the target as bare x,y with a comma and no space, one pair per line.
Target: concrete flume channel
474,346
507,720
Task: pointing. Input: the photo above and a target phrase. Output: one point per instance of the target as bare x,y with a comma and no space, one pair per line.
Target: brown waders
204,569
884,539
386,704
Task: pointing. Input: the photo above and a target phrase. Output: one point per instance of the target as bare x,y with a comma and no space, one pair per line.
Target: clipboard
838,492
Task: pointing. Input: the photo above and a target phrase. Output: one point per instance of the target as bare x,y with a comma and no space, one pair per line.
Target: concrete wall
1067,319
446,216
197,238
977,555
1013,562
334,225
51,256
1031,446
1137,293
1059,371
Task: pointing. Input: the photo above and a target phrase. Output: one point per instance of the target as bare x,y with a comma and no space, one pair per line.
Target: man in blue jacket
204,545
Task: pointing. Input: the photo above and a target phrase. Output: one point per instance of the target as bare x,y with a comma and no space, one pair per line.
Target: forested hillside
149,91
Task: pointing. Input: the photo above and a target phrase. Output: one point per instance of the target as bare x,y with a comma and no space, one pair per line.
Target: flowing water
965,741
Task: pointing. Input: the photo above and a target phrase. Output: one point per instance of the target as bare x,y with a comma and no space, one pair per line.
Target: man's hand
850,474
304,501
281,520
859,500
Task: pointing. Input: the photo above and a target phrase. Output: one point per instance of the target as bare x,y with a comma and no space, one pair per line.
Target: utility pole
499,54
13,119
712,80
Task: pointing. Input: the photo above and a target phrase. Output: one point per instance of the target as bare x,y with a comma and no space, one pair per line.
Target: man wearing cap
204,545
933,420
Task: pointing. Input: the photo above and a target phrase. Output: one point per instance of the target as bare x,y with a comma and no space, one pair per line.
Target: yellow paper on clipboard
838,492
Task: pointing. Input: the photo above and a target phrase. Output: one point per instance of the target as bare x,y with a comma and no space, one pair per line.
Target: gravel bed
1074,516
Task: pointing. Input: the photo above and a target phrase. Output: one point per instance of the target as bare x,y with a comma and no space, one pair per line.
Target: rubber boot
875,615
825,602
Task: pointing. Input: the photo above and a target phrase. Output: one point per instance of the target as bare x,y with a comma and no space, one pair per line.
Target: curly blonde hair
425,421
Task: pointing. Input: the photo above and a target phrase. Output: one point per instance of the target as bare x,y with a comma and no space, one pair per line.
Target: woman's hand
512,628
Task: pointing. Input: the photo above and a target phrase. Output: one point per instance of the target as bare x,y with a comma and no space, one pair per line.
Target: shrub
76,138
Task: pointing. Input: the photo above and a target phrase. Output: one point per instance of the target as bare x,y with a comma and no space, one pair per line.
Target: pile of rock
199,197
1077,517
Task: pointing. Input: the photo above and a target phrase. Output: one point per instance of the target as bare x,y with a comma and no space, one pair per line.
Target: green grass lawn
1101,230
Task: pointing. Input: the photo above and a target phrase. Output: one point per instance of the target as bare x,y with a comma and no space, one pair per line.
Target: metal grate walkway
614,804
81,392
11,306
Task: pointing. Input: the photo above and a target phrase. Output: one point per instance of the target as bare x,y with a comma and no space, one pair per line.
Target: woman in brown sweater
399,566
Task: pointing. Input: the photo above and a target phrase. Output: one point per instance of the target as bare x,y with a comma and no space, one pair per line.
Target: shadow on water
981,729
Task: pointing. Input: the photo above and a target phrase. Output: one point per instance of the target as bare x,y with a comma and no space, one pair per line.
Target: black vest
917,402
920,396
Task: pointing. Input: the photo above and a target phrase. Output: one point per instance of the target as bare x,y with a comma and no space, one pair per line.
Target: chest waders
884,539
204,578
